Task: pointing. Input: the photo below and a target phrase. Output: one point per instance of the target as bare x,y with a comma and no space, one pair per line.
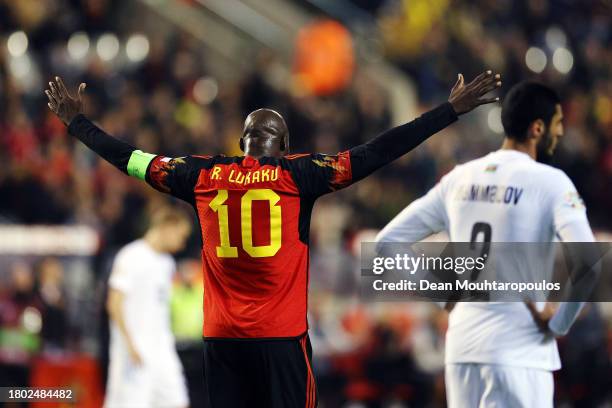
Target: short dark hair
526,102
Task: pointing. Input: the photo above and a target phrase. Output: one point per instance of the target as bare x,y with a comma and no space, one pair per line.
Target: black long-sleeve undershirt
114,151
395,142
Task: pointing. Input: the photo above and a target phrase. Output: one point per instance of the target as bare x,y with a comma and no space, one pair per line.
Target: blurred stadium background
178,77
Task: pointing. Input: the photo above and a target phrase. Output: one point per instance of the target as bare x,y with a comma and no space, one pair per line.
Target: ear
282,145
537,129
241,143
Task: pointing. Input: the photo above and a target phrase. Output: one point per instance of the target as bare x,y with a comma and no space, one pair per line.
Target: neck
523,147
154,239
258,153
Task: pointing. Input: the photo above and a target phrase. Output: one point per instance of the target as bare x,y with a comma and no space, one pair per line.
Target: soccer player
144,369
503,354
254,213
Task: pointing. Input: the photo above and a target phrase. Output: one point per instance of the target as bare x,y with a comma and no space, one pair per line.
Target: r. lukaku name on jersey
244,178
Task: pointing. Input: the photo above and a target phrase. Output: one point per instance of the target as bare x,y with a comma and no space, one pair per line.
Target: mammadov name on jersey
486,285
244,178
490,193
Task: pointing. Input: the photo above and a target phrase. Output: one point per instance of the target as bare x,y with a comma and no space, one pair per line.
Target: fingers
459,82
485,101
52,99
487,82
54,91
62,87
53,102
456,83
476,81
81,90
490,81
54,95
489,87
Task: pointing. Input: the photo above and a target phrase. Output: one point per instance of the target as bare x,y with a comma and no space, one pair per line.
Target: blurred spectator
428,345
20,326
51,293
586,377
392,368
186,301
186,317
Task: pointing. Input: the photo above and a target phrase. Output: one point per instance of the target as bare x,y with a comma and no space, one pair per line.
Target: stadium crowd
168,103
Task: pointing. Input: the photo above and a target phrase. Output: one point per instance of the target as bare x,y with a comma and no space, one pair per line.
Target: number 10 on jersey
225,250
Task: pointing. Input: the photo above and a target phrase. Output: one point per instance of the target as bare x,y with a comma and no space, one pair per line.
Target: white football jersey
515,199
145,278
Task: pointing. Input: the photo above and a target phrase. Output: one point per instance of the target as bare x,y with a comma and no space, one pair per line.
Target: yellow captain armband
138,163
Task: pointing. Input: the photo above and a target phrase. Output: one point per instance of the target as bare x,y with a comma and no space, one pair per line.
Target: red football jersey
254,218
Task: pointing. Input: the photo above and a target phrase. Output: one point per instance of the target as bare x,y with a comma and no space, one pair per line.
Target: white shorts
490,385
159,383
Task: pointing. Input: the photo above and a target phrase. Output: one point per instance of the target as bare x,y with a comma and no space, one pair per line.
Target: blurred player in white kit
503,354
144,369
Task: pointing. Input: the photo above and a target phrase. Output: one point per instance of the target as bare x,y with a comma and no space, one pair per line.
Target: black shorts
259,373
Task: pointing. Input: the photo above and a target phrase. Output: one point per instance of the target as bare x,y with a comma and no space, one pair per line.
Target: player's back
503,197
254,215
253,258
505,189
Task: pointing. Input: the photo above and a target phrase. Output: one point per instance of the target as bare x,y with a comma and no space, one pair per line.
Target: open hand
62,103
464,98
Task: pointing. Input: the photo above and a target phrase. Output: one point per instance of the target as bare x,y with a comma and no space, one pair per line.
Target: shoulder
130,253
317,159
315,156
165,261
134,247
549,171
296,159
550,178
293,161
297,156
552,184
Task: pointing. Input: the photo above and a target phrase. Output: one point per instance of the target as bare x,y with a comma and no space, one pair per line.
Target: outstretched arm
175,176
69,110
398,141
319,174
